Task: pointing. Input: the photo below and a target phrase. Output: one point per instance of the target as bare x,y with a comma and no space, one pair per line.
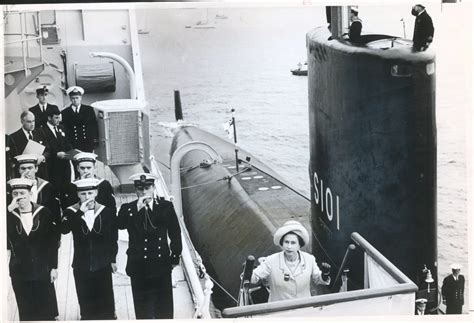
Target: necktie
56,131
30,136
43,108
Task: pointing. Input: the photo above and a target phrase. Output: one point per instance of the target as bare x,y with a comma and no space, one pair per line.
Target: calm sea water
244,61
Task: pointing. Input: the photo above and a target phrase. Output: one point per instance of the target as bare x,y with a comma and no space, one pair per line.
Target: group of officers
45,201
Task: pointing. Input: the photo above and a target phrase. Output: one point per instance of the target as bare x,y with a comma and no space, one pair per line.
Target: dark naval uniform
81,128
41,116
150,258
105,195
453,293
94,251
59,170
47,197
17,142
355,30
33,257
423,32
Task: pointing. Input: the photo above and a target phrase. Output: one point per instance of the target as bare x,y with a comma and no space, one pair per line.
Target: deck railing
396,293
25,36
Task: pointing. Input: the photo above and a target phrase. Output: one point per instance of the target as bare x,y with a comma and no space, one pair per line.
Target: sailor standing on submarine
150,222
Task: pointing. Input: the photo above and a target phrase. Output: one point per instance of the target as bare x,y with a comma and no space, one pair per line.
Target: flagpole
235,141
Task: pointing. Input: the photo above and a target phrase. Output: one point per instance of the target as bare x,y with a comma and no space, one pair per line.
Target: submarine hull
229,220
373,153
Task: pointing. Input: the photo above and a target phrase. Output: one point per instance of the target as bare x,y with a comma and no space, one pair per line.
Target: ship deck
68,306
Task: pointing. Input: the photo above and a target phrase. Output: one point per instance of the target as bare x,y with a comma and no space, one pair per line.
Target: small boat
301,70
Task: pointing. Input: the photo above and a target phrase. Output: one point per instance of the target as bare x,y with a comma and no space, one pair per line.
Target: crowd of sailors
46,198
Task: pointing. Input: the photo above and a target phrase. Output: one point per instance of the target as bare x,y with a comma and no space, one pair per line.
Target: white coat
273,270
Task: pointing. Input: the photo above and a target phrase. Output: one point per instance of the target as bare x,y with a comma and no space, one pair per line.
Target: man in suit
40,109
80,122
33,254
18,140
453,290
150,222
85,165
58,164
424,30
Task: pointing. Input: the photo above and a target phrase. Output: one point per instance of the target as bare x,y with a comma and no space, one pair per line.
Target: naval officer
453,290
40,109
150,222
95,234
80,122
424,29
85,165
33,254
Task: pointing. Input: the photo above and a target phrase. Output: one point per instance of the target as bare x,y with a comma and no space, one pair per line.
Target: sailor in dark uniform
85,165
80,122
356,25
150,222
40,109
33,254
453,291
95,234
424,30
59,166
18,140
42,191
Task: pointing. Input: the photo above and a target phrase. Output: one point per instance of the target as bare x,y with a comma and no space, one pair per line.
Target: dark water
244,62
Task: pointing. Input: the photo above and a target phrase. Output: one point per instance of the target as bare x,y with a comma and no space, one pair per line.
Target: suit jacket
424,30
40,117
148,248
82,130
453,290
105,195
59,170
17,142
34,255
94,249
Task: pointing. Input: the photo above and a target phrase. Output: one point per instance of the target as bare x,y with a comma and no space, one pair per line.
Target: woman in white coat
289,273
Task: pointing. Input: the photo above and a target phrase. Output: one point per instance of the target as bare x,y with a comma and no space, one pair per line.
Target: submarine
372,170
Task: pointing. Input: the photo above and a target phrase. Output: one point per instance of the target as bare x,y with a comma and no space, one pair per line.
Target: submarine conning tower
373,152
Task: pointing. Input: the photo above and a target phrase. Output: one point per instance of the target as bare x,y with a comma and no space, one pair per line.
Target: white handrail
126,66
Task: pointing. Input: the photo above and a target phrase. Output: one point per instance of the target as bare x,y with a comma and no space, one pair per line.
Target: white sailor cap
83,156
42,89
20,183
455,266
86,184
27,159
143,179
75,90
355,9
421,300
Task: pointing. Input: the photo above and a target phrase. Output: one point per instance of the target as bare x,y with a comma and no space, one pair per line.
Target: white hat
421,300
83,156
354,8
294,227
74,90
17,183
142,179
455,266
86,184
27,159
